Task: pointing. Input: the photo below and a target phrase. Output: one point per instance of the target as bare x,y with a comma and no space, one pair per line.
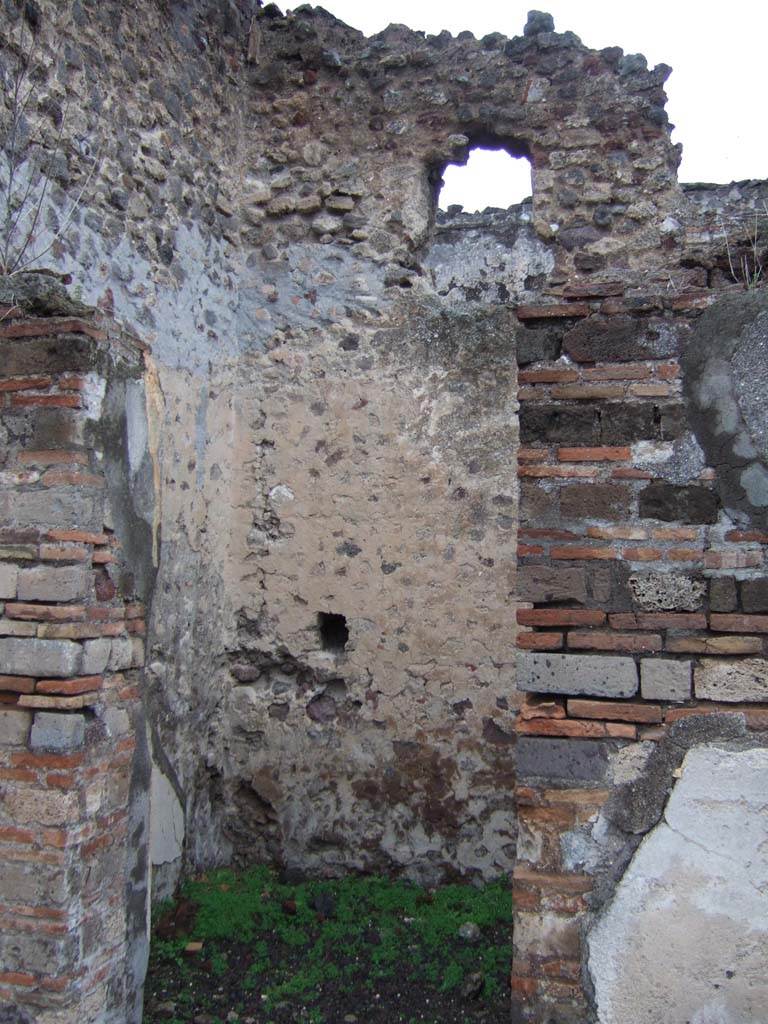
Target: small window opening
334,631
490,177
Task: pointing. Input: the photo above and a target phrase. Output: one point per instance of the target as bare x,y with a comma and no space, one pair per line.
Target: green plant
747,261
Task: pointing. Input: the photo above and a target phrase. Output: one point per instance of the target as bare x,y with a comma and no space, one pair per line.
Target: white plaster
166,820
685,938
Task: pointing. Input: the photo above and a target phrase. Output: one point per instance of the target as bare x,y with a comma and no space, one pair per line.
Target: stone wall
73,746
314,477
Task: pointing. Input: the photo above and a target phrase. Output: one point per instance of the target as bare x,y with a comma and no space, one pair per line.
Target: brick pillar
73,765
638,592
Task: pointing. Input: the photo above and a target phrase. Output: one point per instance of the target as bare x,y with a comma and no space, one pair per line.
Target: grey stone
8,581
660,592
17,627
121,654
14,727
33,657
96,655
592,675
732,681
53,583
661,679
559,759
754,595
63,507
52,731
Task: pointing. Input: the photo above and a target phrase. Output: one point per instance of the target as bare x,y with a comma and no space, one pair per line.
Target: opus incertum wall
451,529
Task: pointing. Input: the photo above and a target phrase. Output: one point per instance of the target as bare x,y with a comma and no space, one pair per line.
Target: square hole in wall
334,631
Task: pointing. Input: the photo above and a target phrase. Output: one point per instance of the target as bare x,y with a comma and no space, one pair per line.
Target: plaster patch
166,821
686,936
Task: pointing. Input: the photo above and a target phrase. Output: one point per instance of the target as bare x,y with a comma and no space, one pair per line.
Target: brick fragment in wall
664,679
576,674
621,339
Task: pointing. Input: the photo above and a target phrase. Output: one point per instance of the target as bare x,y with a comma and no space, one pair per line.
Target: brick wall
645,601
71,650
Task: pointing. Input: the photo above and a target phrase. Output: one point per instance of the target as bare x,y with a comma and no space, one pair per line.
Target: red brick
62,780
54,457
537,533
532,454
553,376
652,733
72,382
70,687
18,775
714,644
658,620
78,630
135,610
564,472
601,641
733,559
68,478
26,384
675,533
659,390
540,641
579,552
747,536
628,473
641,554
60,401
578,309
620,371
18,978
18,684
102,557
622,711
560,727
63,553
43,328
616,532
78,536
560,617
526,988
601,454
621,730
528,550
668,371
136,627
587,392
684,554
11,834
736,623
102,614
47,761
45,612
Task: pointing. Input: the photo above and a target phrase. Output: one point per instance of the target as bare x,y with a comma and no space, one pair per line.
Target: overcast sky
718,90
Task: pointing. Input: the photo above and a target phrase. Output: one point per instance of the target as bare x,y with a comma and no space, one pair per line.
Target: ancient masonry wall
73,751
388,627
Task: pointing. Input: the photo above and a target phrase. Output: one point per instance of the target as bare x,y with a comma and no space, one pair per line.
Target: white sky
718,90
